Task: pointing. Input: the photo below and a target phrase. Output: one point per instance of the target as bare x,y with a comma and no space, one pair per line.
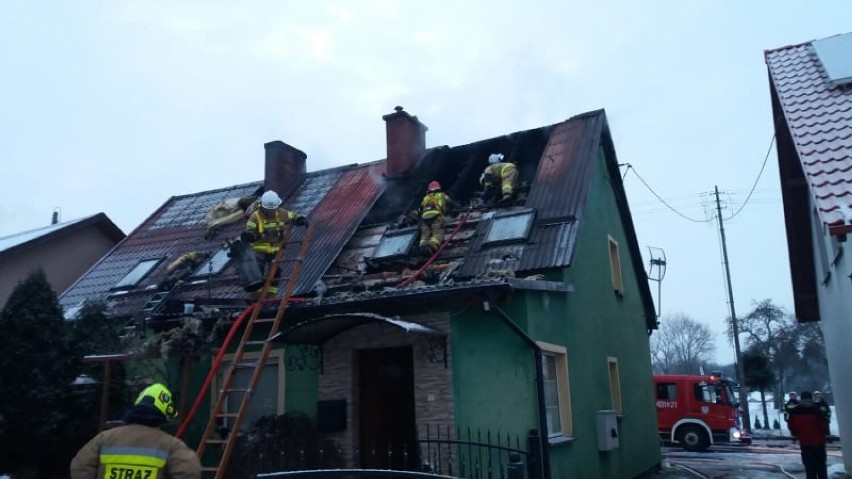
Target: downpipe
539,380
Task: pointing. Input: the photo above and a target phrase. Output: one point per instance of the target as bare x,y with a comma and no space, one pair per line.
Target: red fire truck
697,410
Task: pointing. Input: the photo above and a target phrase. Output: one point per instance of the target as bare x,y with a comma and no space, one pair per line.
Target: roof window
833,53
137,273
509,227
214,265
395,243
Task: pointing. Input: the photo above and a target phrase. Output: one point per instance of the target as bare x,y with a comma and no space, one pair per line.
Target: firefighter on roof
433,207
265,230
500,180
138,448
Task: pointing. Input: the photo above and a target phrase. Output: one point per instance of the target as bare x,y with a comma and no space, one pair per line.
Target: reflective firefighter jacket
435,204
268,230
135,451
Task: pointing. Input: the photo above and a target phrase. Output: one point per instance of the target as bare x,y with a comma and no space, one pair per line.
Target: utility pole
734,327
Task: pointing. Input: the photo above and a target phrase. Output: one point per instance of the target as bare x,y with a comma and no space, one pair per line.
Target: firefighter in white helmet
265,229
500,180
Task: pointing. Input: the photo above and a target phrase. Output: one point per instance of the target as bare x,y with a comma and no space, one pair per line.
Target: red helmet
434,186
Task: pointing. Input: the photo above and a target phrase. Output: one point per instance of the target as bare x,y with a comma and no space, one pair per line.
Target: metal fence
439,452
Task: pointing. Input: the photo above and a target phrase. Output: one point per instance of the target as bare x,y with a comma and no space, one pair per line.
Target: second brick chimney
406,139
284,167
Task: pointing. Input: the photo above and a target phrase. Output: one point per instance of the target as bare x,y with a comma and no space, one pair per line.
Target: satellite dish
657,271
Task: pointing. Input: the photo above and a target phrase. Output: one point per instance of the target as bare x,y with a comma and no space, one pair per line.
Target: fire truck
697,411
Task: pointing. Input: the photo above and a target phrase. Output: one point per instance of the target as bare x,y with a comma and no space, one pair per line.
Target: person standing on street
809,425
138,448
792,401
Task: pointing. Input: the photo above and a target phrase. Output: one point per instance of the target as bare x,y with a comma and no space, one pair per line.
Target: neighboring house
811,86
549,291
64,251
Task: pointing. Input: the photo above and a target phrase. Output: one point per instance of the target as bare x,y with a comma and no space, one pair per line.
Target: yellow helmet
160,397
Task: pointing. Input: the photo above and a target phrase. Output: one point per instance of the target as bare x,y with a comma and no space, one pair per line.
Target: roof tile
820,121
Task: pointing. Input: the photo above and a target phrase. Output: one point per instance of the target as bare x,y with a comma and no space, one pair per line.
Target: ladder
237,363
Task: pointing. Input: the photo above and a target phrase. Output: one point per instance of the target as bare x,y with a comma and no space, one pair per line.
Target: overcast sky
115,106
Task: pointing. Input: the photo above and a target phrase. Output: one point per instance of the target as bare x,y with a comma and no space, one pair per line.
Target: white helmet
495,158
270,200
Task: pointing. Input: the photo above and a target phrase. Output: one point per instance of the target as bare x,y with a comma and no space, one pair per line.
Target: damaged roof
353,207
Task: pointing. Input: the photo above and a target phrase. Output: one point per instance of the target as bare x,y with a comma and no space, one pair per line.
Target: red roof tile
820,122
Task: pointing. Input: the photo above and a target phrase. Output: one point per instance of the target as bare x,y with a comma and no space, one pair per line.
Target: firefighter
138,448
809,426
434,206
265,230
500,180
792,401
822,405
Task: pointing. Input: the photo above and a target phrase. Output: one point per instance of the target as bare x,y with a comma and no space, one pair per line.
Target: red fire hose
213,369
432,259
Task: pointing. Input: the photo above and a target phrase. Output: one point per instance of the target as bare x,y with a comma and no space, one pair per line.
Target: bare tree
681,345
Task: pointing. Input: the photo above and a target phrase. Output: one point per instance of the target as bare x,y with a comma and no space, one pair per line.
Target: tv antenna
657,271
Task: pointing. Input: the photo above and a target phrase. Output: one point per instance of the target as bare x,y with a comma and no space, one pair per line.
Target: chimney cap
400,112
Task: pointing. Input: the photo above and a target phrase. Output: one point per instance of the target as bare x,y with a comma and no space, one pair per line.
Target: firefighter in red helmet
433,208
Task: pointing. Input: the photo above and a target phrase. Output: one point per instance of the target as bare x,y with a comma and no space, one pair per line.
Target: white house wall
835,307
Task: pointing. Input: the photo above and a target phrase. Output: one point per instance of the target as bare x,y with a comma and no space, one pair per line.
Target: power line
771,142
630,168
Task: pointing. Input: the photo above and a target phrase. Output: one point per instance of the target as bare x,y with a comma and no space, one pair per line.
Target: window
615,266
395,243
667,391
267,397
705,393
822,251
137,273
510,227
614,384
833,53
557,396
213,265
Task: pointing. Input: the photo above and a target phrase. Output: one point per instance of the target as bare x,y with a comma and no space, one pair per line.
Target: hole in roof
213,265
136,274
834,54
508,227
395,243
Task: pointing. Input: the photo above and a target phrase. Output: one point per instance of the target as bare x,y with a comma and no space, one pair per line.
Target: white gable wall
834,293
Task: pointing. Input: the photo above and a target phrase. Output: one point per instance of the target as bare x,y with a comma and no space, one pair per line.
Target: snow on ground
755,410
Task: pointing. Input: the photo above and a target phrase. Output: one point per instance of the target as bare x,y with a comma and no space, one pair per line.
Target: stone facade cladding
433,387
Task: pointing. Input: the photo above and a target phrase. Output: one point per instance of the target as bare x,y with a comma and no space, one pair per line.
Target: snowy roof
18,239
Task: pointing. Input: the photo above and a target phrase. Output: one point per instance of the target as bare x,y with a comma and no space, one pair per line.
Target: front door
386,412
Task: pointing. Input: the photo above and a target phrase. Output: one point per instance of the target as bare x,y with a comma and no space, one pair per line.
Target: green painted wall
494,385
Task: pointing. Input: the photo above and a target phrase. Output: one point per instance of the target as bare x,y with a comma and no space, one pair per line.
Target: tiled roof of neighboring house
813,129
819,117
351,207
27,238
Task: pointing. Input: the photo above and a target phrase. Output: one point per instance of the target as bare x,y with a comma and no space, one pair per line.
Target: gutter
544,446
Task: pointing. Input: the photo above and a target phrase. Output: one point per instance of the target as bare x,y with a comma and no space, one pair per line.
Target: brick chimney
284,167
406,138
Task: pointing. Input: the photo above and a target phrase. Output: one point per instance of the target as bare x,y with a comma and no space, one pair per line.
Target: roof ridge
58,225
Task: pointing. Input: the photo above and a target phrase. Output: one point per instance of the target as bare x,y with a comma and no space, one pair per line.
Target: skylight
395,243
835,54
213,265
137,273
510,227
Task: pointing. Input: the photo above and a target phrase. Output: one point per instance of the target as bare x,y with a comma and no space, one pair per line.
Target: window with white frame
557,395
615,265
213,265
268,395
138,272
614,384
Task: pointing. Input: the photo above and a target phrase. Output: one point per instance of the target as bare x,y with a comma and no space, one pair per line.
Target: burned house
531,322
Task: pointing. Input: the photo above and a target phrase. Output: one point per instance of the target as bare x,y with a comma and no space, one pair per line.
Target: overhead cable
771,142
631,168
